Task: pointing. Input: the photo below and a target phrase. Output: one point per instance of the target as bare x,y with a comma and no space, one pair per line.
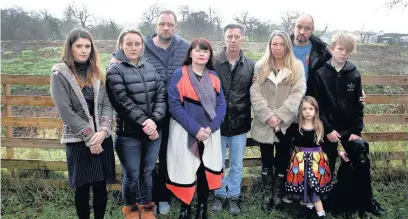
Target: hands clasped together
203,134
96,142
150,128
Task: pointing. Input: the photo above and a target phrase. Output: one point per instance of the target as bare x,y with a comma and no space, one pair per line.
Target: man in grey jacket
165,50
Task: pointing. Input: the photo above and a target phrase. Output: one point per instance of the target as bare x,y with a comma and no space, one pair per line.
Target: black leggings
202,184
280,160
100,198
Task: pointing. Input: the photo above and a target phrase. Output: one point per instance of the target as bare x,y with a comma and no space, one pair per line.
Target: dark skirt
85,168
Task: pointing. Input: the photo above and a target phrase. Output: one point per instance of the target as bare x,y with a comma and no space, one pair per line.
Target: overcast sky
337,14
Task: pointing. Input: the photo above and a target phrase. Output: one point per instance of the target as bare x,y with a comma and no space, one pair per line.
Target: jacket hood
348,67
120,55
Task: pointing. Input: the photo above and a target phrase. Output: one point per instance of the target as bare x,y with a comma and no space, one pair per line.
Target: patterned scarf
205,91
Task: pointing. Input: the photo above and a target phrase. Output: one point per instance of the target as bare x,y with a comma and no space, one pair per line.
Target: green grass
33,200
255,56
38,62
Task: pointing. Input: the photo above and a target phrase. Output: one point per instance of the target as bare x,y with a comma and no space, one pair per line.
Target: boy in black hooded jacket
338,89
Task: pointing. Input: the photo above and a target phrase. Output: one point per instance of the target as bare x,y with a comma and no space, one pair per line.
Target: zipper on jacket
146,91
339,99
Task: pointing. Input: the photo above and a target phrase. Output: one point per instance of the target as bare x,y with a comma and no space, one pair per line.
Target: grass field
30,200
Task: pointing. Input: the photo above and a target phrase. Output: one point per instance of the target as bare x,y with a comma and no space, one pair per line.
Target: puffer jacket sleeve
159,110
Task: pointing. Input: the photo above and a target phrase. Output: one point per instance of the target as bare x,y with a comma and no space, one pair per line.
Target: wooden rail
25,100
389,80
248,162
9,121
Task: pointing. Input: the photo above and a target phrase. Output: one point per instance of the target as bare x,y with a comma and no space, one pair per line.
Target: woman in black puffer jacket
137,94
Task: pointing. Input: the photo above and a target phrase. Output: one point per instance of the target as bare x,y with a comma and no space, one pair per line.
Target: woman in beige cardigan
275,97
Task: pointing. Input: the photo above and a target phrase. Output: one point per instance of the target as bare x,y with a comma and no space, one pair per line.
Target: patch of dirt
381,60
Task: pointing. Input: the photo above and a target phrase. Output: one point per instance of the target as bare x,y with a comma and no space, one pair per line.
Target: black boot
374,208
185,211
267,174
201,212
277,189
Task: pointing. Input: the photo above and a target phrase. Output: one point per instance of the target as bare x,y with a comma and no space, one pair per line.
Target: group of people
182,104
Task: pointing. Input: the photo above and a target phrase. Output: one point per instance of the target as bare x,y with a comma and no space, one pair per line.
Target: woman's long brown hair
317,123
94,71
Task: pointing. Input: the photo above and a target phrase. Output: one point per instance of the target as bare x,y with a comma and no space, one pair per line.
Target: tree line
19,24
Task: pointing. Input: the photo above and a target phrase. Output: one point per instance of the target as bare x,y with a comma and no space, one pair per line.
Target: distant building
389,38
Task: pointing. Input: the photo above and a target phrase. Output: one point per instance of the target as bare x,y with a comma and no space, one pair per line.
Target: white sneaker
308,205
164,207
287,200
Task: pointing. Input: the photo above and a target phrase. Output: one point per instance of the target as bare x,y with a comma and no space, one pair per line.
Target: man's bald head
303,29
305,18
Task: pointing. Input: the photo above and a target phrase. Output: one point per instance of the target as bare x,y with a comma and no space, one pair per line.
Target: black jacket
319,55
137,93
338,95
236,85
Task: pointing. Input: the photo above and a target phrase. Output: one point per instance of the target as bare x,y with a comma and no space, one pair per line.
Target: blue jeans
138,160
231,184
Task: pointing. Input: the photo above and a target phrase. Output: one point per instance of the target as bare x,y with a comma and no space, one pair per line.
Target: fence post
9,130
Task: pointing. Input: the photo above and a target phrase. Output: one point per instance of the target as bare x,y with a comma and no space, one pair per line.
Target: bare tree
184,10
320,33
288,20
362,34
151,14
365,35
394,3
250,24
81,14
148,17
52,24
243,19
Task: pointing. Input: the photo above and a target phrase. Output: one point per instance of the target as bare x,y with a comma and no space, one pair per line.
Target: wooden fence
9,121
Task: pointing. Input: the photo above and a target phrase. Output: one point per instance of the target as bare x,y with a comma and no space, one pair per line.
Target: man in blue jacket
165,50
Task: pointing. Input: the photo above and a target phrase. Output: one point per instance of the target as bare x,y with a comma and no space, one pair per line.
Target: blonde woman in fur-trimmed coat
275,95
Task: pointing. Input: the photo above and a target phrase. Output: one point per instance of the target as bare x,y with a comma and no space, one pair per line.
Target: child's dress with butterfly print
308,175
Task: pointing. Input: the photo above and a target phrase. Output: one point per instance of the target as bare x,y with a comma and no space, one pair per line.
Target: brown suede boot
146,211
131,212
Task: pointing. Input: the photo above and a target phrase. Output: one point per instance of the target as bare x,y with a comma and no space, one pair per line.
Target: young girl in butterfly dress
308,176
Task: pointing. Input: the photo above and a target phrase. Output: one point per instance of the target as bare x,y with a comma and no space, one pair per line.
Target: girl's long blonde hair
317,123
267,62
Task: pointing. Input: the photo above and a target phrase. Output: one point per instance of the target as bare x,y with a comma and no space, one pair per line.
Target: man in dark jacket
338,90
166,51
311,50
235,71
308,48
